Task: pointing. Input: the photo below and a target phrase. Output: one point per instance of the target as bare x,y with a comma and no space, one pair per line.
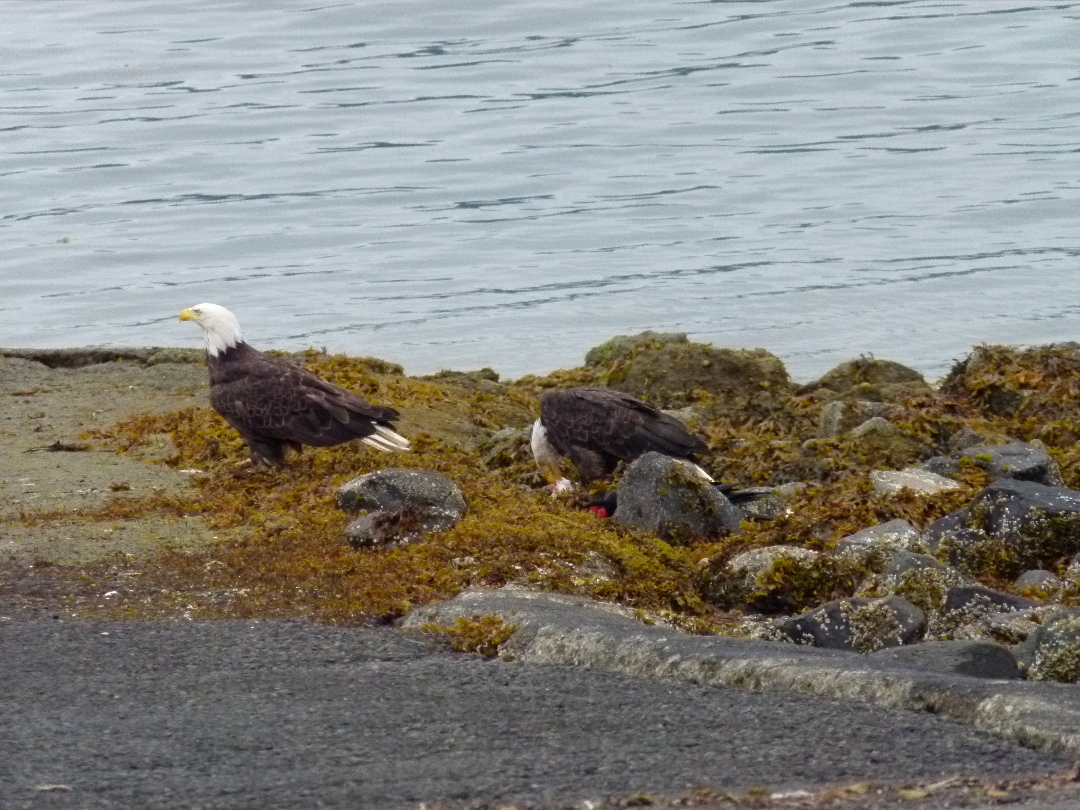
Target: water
509,184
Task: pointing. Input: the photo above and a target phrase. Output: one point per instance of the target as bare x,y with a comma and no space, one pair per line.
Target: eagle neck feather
229,364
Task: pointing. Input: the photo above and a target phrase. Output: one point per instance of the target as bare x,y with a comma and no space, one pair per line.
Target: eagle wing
614,424
270,398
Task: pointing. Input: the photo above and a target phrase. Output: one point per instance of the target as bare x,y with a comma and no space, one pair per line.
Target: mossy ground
289,558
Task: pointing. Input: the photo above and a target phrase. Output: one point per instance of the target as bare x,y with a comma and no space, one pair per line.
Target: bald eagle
275,404
596,428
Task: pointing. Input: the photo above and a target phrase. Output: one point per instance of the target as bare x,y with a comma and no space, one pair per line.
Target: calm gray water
507,184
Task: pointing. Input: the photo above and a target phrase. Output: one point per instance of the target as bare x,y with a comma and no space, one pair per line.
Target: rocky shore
926,523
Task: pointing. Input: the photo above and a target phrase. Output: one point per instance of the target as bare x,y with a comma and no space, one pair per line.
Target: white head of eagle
275,404
220,328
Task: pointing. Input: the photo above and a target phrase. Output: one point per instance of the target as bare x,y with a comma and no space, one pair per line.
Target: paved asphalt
290,715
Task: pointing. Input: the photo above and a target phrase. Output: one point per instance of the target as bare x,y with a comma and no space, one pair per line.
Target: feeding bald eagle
596,428
275,404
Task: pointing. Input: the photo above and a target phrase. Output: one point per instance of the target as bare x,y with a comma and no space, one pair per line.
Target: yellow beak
188,315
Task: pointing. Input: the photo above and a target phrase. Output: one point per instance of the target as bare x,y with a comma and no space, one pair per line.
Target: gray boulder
977,658
920,579
914,479
1052,652
761,503
1008,628
968,604
754,566
669,497
840,416
1020,460
402,506
942,465
1039,581
986,600
873,546
1009,527
858,623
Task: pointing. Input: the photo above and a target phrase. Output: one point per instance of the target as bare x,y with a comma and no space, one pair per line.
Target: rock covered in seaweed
1052,651
858,623
871,379
1024,461
1009,527
874,545
402,506
670,498
670,371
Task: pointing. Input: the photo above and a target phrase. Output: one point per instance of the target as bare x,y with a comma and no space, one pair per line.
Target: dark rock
904,562
878,425
1009,527
975,657
921,580
840,415
620,346
966,437
1052,652
986,600
1072,570
485,380
1039,581
754,566
871,379
857,623
1008,628
777,579
1019,460
506,447
966,605
866,371
942,465
669,497
873,546
759,503
402,505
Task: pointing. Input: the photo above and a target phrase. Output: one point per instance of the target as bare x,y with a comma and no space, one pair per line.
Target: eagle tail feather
386,440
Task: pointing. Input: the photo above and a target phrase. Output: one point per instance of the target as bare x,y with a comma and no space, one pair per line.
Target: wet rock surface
291,715
1020,460
874,545
859,624
563,630
976,658
1052,651
668,497
402,506
1009,527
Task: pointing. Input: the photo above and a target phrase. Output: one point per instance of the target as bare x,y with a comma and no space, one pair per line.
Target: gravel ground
290,715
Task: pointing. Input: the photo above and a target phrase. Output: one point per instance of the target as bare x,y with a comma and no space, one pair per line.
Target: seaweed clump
291,560
478,634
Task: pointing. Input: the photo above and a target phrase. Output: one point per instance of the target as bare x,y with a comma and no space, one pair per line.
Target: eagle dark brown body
275,404
596,428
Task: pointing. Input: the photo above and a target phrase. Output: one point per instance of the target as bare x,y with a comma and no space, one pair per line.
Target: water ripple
822,179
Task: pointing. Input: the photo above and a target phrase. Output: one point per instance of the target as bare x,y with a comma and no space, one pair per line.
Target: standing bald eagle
275,404
596,428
